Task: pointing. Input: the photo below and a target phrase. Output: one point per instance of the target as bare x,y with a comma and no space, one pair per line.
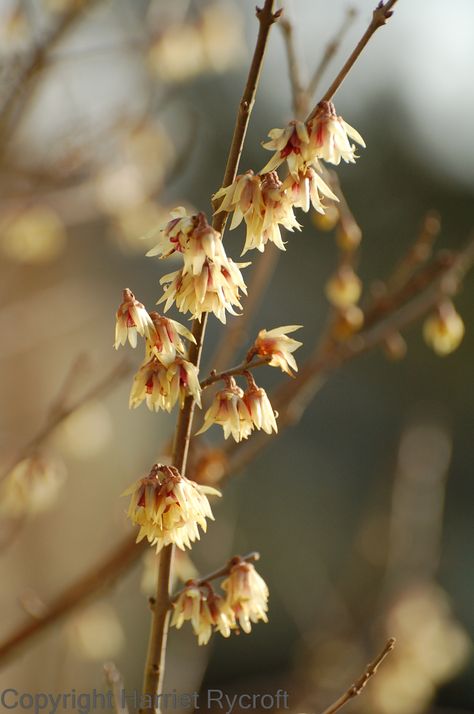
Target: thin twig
298,92
380,15
233,371
360,684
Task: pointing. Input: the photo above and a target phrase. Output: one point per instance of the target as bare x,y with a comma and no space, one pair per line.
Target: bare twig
114,680
380,15
298,91
240,369
359,685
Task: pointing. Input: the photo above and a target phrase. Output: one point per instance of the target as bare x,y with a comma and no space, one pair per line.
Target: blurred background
113,112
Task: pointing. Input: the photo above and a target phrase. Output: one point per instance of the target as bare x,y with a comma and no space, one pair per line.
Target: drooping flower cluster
206,611
247,594
326,136
239,412
245,602
262,202
165,377
161,386
209,281
276,345
169,507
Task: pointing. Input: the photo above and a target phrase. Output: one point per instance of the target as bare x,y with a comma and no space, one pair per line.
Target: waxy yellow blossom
331,136
169,507
206,611
161,386
247,594
260,409
278,346
165,342
229,410
132,319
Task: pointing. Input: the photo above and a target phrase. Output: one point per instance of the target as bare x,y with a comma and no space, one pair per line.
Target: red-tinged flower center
130,320
149,385
183,376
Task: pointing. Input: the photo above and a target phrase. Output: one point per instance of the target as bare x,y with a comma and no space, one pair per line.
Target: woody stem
155,663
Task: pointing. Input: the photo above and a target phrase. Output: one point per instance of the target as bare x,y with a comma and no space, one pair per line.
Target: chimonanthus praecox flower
206,611
331,136
443,331
165,342
262,201
162,385
209,281
132,318
169,507
344,288
215,289
306,189
229,410
291,144
278,346
259,407
247,594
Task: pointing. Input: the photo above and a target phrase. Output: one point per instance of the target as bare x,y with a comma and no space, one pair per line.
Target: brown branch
298,92
155,664
61,411
380,15
331,49
360,684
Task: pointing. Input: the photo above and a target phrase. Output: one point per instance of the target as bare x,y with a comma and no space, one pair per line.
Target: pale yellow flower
306,189
247,595
278,346
444,330
132,319
262,202
161,386
204,609
260,409
229,411
291,144
344,288
331,136
215,289
175,234
169,507
165,343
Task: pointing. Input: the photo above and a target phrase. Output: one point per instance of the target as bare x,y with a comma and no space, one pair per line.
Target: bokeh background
362,512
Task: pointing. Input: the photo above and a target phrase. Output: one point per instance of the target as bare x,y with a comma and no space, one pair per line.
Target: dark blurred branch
60,410
331,49
359,685
24,83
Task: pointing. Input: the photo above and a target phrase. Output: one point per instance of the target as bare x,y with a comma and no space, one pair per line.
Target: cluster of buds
165,377
169,507
239,412
209,281
245,602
